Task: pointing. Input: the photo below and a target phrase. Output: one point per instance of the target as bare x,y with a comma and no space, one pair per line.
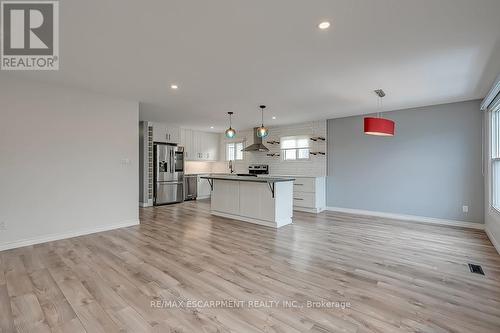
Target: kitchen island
262,200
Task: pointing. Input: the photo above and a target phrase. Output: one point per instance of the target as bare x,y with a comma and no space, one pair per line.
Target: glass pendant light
262,131
230,132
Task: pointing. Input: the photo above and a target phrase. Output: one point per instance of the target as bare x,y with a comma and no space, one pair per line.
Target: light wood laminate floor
396,276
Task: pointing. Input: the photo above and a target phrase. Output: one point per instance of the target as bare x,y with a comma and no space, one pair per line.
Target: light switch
126,161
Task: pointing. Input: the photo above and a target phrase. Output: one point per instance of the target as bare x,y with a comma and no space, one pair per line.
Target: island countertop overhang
249,178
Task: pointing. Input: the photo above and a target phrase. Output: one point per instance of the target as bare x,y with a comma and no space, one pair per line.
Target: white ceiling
232,55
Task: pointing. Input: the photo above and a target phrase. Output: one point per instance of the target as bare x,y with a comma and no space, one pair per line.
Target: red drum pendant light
379,126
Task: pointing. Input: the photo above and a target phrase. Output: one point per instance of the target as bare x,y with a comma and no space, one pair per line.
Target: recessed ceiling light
211,127
274,117
324,25
174,86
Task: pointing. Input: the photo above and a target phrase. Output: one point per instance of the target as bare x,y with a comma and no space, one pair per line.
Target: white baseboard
493,240
277,224
203,197
308,210
64,235
415,218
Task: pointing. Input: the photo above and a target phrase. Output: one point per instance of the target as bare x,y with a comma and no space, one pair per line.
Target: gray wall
431,167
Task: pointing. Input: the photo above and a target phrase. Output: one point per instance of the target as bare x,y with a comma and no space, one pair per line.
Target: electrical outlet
465,209
3,225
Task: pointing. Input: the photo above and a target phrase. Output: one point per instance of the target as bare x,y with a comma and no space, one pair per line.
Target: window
495,155
234,151
295,148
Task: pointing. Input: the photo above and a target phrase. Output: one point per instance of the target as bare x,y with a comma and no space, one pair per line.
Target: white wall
315,166
62,170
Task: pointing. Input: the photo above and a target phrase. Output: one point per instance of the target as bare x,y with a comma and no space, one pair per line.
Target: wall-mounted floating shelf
273,142
317,153
273,155
318,138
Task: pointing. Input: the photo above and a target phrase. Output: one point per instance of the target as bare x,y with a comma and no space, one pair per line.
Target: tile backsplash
205,167
314,166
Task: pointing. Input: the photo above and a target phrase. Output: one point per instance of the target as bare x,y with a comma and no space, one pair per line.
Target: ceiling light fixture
379,126
174,86
274,117
262,131
230,132
324,25
211,127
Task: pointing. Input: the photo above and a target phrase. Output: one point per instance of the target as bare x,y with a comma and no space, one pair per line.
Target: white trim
309,210
145,204
279,223
203,197
415,218
493,240
492,94
64,235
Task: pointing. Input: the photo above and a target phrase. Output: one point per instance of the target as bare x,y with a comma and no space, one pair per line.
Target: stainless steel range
258,169
255,169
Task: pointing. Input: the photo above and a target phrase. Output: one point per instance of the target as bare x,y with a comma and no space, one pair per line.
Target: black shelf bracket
211,182
271,187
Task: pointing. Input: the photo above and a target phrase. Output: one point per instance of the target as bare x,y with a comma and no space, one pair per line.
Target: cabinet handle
298,199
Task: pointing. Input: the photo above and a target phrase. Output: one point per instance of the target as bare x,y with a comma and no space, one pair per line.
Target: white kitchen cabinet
252,201
173,133
256,201
197,146
203,188
226,197
309,194
186,141
166,133
200,146
210,146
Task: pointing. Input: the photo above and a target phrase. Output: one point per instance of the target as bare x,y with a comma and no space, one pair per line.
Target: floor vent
476,269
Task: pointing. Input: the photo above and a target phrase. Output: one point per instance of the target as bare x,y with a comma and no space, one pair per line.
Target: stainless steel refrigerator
169,173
